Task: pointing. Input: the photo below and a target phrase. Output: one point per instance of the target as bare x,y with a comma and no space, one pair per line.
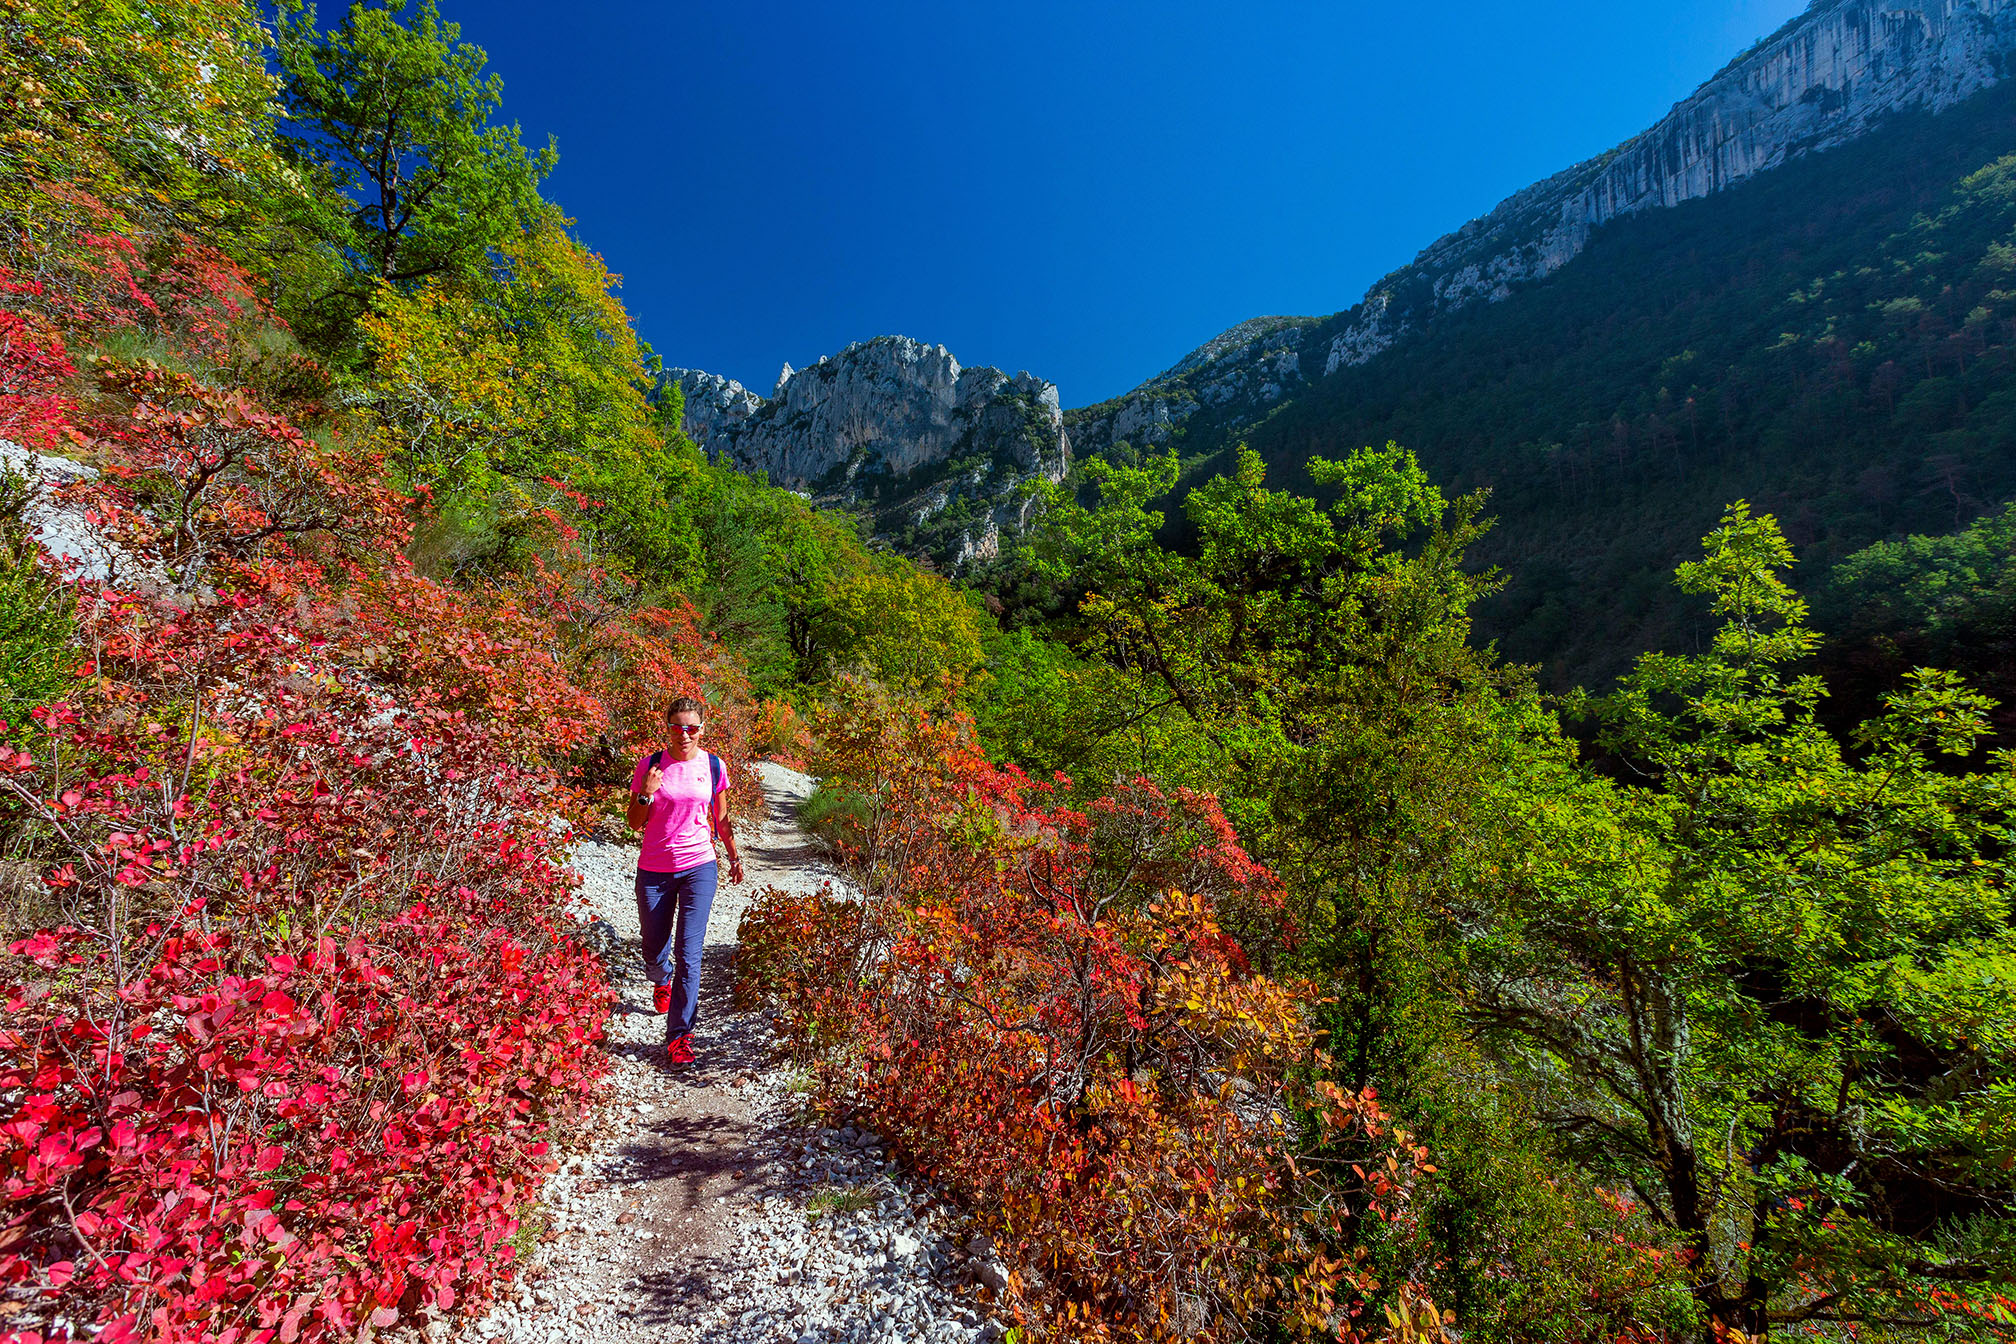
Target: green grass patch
38,650
839,1201
531,1226
837,814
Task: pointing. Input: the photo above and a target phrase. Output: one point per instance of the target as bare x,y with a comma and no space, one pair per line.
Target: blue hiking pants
672,912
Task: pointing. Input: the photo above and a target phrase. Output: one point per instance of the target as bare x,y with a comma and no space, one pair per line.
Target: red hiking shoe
661,998
680,1051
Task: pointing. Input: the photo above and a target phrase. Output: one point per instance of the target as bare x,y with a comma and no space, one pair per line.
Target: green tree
906,628
1034,703
1936,586
1940,601
1267,641
768,558
486,386
393,118
1768,984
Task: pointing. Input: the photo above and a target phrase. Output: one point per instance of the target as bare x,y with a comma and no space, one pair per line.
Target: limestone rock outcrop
944,456
1823,79
1253,365
712,401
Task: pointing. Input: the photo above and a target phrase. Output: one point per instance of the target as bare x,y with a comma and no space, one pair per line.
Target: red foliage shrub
90,271
35,406
287,1066
230,1139
778,734
1037,1006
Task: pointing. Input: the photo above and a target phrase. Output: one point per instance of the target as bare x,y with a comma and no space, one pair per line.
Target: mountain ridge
1822,79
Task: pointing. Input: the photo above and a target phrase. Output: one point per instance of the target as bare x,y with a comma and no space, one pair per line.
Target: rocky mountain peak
944,456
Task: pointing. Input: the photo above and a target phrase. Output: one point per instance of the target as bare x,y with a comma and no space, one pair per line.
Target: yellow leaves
1414,1319
537,373
910,628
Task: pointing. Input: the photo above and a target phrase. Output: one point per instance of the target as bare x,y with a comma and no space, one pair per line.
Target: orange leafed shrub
1038,1007
779,734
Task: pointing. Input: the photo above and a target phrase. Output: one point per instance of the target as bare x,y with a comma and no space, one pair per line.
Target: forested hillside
1832,340
1829,339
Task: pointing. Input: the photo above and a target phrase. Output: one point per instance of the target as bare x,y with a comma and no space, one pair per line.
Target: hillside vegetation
1246,946
1831,340
1705,1035
384,567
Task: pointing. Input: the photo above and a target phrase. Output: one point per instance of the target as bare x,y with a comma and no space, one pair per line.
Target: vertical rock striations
1823,79
945,458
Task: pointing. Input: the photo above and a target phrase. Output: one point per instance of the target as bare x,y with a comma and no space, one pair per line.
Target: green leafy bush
836,813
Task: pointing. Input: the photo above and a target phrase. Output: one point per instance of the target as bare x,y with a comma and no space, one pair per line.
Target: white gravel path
703,1204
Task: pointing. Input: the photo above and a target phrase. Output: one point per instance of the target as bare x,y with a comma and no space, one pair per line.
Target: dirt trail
700,1203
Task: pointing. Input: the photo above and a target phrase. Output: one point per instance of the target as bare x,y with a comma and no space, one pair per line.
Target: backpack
713,769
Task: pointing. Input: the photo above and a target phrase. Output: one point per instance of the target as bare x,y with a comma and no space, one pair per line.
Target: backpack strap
713,769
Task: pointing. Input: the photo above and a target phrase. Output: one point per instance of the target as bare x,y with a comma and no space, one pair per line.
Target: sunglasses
686,729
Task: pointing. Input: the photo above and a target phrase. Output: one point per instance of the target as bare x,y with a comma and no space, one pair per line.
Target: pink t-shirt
676,834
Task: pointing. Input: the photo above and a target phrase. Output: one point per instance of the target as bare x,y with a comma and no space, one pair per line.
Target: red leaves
35,408
1042,1011
286,1069
343,1153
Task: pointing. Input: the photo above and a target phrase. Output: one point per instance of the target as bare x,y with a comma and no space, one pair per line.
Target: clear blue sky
1085,190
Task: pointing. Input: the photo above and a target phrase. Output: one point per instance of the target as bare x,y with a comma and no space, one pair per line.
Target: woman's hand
735,868
636,813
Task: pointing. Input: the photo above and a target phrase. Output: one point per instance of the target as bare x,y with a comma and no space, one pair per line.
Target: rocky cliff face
1821,80
945,457
1239,374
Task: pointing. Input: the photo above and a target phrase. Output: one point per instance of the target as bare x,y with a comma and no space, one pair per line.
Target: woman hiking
679,800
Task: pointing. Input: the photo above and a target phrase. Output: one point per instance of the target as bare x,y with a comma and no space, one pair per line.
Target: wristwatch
641,799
